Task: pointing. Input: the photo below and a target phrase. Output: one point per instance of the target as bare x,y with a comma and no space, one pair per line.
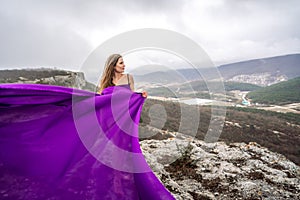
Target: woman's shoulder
128,76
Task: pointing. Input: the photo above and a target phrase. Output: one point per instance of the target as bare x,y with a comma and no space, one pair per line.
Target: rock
193,169
150,132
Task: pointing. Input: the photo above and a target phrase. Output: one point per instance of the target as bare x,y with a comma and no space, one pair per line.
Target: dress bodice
124,85
110,89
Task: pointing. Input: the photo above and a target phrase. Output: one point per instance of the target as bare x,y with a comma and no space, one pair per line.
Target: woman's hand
144,94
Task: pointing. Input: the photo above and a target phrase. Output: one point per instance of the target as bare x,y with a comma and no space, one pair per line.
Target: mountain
263,71
281,93
198,89
229,86
177,76
160,77
288,65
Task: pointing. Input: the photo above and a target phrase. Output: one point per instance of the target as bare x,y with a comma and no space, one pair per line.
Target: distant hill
230,85
263,71
198,89
281,93
160,77
288,65
178,76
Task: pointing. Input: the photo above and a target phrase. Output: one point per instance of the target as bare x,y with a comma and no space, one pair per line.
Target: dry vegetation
278,132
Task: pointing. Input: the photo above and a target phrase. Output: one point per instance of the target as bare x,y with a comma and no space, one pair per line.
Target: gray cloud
47,33
24,43
63,33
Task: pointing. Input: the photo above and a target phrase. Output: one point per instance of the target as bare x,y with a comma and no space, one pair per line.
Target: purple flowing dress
64,143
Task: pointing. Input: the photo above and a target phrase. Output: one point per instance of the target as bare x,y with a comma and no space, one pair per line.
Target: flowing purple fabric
64,143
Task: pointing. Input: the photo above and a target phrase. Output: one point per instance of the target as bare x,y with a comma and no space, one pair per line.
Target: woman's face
120,66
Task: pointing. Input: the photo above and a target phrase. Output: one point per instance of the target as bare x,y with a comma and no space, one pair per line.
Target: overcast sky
62,33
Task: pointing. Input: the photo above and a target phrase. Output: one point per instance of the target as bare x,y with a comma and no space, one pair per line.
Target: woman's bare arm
131,82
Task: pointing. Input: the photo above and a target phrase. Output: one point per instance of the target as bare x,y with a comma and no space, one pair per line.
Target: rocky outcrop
48,77
193,169
71,79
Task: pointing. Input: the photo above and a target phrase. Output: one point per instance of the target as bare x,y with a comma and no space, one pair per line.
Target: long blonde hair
108,73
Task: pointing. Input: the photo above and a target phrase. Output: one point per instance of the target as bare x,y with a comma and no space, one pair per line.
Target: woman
113,74
64,143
